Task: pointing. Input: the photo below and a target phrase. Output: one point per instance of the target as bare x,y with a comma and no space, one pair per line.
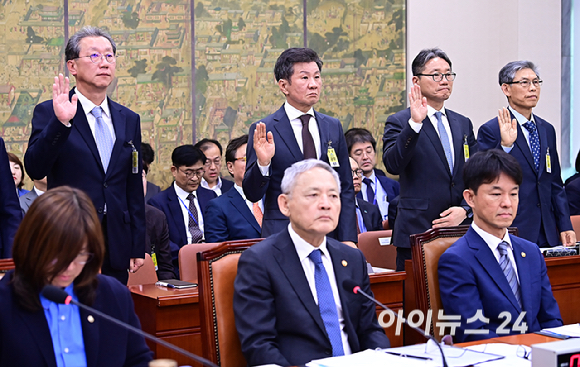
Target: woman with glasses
60,243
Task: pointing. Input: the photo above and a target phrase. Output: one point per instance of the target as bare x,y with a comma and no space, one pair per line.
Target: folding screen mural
208,73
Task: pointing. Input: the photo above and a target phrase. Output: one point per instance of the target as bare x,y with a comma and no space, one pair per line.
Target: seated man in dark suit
289,302
490,271
184,202
572,186
377,188
232,216
147,157
211,180
368,215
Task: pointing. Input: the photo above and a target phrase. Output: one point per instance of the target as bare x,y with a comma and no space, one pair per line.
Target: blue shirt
64,323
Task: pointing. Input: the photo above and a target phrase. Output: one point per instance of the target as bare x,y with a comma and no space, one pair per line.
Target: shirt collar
303,248
69,289
491,240
240,191
205,185
38,192
521,119
431,111
294,113
181,193
88,105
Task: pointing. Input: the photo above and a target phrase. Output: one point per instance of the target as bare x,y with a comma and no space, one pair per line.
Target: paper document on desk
455,357
369,358
572,330
514,355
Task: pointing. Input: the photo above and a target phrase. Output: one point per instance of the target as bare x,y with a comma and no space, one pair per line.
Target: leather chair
375,253
5,266
187,259
576,225
426,249
217,269
145,275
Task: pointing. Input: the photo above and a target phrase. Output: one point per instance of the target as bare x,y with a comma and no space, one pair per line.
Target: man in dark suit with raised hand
293,133
85,140
488,271
427,145
289,303
231,216
544,214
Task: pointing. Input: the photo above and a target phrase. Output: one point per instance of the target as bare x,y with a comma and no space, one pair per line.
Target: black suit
276,316
157,234
371,216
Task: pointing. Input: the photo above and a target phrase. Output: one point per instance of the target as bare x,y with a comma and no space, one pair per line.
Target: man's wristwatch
468,211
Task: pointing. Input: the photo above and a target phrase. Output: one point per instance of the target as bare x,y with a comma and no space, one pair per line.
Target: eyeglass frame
358,172
243,159
198,172
441,75
98,57
536,82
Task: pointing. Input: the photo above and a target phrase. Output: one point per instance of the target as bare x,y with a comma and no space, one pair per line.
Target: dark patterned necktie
307,142
534,142
196,233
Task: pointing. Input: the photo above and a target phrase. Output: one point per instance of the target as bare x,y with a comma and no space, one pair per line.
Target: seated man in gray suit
289,302
38,189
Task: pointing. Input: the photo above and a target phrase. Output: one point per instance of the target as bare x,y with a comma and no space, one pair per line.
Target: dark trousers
403,253
120,275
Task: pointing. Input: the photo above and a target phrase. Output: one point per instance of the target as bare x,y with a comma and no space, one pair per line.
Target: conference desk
520,339
173,314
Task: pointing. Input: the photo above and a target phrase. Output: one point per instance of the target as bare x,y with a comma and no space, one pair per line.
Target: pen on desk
164,284
410,356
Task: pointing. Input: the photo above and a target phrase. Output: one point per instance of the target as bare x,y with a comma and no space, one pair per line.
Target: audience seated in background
17,170
147,157
38,189
368,215
184,202
212,179
488,272
377,188
60,243
572,186
289,294
231,216
10,213
157,238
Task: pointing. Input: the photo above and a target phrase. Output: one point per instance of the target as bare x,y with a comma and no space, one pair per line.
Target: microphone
350,286
58,295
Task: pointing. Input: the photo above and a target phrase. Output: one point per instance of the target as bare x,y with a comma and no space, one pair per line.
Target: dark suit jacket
471,279
26,200
543,201
287,153
277,318
372,217
157,234
573,193
152,190
10,212
427,186
228,218
391,187
226,185
25,339
69,156
168,202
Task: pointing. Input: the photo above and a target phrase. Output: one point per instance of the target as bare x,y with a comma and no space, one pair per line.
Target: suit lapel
543,144
284,129
489,263
176,213
324,135
522,144
81,124
289,262
90,337
238,202
457,141
525,285
119,123
429,130
38,329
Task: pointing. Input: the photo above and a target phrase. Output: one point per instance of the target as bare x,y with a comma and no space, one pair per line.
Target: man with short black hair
544,214
212,179
185,201
427,145
489,271
148,156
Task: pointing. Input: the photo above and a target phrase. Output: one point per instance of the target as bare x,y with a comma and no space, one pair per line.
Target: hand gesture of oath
263,144
508,127
64,109
418,104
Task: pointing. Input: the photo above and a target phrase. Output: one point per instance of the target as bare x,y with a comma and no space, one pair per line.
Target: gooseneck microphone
58,295
350,286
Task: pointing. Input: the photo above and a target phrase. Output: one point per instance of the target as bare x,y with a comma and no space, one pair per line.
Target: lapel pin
523,254
90,319
344,263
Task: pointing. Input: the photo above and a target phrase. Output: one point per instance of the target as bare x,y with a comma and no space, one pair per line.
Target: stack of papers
572,330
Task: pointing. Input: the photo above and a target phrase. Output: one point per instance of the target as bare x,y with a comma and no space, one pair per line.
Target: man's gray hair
73,47
508,72
291,173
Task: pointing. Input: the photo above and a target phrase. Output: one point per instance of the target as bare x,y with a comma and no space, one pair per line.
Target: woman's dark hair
14,159
59,225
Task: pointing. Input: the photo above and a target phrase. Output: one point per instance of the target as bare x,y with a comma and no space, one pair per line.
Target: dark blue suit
276,316
228,218
470,279
69,156
287,153
168,202
10,212
371,215
573,193
226,185
543,203
427,186
390,186
25,336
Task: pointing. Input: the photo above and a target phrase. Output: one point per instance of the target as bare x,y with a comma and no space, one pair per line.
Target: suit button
452,184
105,184
328,352
100,210
539,205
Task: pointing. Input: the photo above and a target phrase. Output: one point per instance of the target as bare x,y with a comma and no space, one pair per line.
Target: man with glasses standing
185,201
544,216
427,145
83,139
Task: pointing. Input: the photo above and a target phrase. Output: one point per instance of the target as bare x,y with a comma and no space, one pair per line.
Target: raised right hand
64,109
508,127
418,104
263,144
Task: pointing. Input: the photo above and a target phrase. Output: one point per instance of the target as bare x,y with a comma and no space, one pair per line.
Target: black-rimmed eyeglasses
526,83
439,77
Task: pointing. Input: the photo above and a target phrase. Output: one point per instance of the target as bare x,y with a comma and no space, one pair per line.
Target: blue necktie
508,270
370,192
103,137
444,140
534,142
326,304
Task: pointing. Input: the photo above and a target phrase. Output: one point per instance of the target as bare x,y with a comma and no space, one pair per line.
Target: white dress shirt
431,114
184,205
381,195
217,188
493,243
88,108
